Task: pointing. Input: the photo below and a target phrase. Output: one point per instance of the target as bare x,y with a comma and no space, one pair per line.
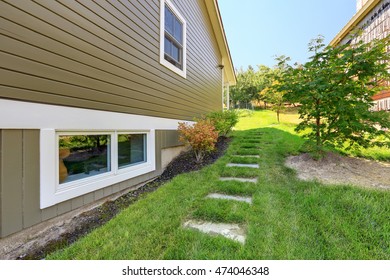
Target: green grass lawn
289,218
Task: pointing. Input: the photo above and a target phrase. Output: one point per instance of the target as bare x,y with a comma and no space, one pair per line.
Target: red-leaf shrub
201,136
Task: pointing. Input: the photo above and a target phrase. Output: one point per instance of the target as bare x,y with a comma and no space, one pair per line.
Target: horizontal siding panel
151,6
75,85
117,27
48,98
11,45
66,50
201,46
200,30
106,55
124,10
142,84
89,15
30,81
103,43
202,54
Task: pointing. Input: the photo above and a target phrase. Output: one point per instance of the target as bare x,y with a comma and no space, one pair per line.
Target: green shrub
201,136
223,121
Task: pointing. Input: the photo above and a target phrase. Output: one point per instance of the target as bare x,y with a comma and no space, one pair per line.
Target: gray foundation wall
20,183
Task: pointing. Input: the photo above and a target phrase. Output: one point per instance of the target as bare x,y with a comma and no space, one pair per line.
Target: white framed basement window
78,162
173,41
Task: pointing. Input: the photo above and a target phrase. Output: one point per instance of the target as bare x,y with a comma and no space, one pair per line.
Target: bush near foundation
201,136
224,121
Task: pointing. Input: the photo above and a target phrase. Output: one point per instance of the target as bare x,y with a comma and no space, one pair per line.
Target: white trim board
27,115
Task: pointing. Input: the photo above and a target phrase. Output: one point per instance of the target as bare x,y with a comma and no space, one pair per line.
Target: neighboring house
91,93
373,17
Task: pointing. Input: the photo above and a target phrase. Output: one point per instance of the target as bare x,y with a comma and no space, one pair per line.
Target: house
91,95
373,17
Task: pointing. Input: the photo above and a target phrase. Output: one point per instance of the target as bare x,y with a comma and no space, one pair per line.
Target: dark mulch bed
96,217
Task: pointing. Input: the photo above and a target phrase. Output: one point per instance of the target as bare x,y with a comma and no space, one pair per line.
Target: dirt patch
64,233
337,169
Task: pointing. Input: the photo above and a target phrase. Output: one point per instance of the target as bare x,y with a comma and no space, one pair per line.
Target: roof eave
219,31
356,19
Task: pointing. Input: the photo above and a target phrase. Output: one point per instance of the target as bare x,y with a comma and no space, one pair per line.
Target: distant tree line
253,85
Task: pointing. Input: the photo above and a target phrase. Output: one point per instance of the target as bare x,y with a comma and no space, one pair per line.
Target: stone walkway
232,231
230,197
243,165
247,156
248,180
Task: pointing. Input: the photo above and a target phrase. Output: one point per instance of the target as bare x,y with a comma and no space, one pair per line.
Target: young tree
265,77
275,95
335,90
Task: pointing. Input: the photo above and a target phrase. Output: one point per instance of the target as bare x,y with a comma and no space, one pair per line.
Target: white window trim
51,118
163,61
51,191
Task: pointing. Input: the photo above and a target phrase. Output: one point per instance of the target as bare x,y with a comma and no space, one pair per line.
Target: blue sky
257,30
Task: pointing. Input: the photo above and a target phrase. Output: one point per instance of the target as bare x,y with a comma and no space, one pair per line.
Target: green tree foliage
273,92
335,90
250,84
265,78
80,142
275,95
246,88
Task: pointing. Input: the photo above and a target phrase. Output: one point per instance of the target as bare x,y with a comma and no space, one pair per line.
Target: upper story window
172,39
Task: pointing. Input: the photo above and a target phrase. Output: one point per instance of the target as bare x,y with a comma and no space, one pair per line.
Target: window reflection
83,156
131,149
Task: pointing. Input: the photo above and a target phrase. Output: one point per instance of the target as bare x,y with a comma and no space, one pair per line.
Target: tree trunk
277,113
318,132
318,125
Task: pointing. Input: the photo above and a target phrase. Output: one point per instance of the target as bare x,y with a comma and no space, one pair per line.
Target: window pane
178,31
167,47
175,53
168,20
131,149
83,156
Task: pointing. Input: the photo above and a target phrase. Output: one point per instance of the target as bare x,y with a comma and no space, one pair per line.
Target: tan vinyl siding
104,55
20,185
170,138
31,210
1,183
11,181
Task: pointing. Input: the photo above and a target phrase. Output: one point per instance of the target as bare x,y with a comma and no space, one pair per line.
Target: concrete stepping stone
245,180
243,165
231,231
230,197
247,156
